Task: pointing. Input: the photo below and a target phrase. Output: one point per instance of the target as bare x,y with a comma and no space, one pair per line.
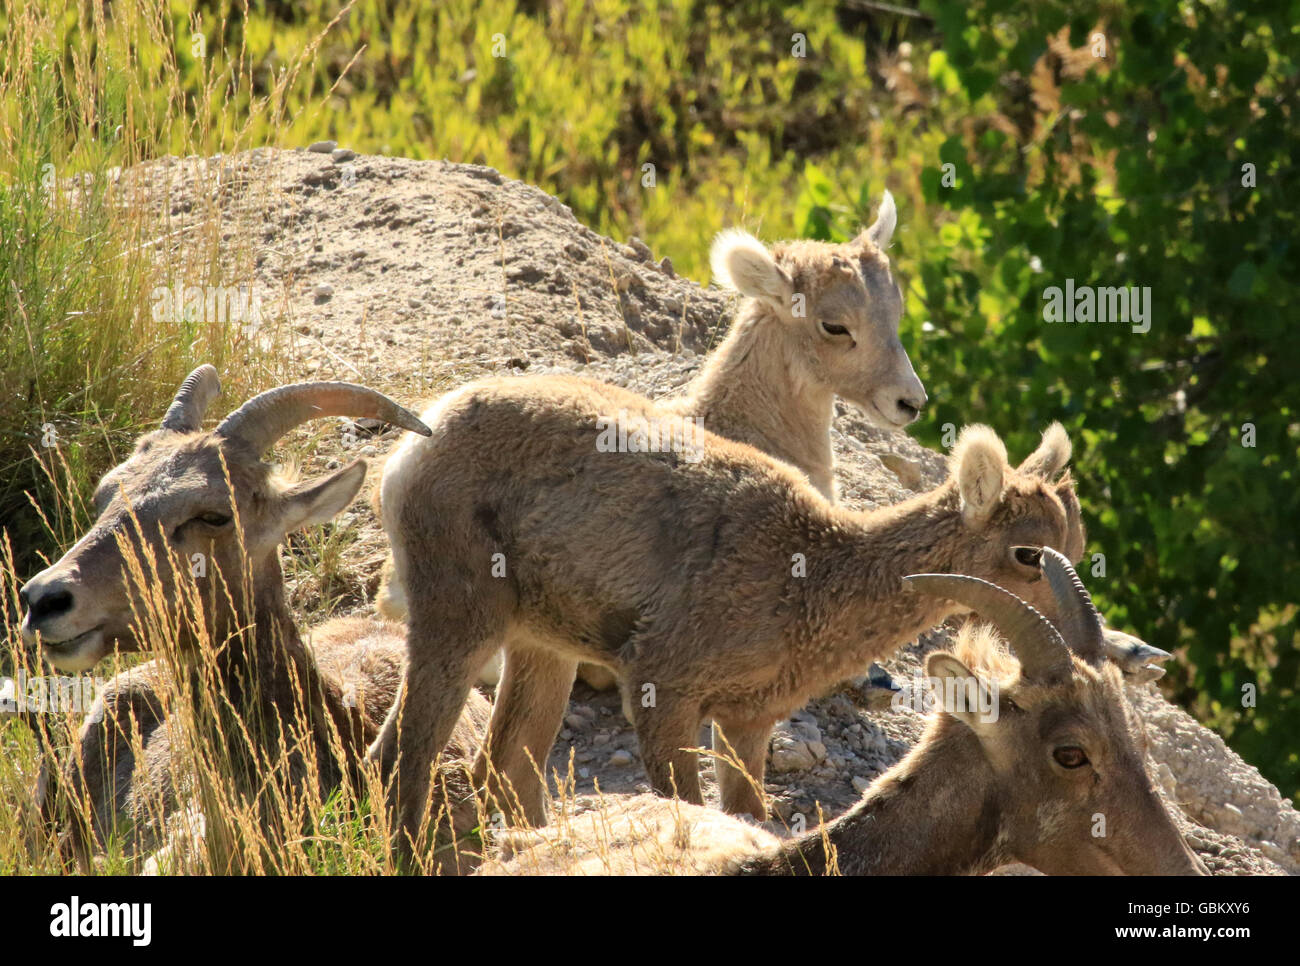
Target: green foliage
1129,170
84,362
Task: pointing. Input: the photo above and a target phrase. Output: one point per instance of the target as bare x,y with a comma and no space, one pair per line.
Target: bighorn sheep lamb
182,493
1024,756
818,321
714,579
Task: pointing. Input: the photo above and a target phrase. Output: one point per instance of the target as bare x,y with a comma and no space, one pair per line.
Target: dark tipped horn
1079,621
1037,644
268,416
185,414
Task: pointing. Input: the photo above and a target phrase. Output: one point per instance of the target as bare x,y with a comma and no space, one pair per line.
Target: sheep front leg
526,718
747,743
663,729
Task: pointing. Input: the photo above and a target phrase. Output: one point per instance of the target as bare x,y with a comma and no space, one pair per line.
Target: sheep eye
1070,757
830,328
1029,556
213,519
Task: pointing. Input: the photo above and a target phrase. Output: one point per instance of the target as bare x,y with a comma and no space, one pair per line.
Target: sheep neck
935,813
855,571
263,679
751,390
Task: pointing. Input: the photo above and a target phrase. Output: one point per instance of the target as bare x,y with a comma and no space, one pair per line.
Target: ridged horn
269,415
1034,639
1079,621
185,414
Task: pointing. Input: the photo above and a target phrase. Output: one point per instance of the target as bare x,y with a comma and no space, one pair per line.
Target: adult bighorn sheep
716,582
187,494
1054,779
818,321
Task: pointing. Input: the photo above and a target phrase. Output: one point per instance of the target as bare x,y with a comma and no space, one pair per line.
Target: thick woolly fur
716,584
773,381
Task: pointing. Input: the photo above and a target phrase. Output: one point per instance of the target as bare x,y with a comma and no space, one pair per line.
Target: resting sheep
187,494
1024,781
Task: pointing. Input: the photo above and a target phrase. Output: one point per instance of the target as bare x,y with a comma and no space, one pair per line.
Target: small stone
323,147
342,155
324,291
620,759
790,755
575,721
666,266
861,784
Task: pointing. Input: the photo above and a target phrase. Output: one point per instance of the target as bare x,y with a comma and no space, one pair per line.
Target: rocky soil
413,277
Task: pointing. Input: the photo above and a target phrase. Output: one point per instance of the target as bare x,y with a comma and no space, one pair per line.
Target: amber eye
1070,757
830,328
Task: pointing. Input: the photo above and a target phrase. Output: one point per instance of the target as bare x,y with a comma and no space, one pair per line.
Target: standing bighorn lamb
818,321
712,578
187,494
1020,773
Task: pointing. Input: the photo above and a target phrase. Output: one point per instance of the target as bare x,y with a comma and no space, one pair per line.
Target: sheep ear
741,262
980,462
882,230
961,692
1051,456
1076,537
322,500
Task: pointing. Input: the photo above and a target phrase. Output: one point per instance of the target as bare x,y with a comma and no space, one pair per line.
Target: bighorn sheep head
838,307
189,498
1062,741
1013,512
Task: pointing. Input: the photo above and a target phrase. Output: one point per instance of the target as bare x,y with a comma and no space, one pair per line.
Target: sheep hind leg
526,718
421,721
741,792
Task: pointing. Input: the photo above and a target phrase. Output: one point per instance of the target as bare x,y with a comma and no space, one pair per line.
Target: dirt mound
416,276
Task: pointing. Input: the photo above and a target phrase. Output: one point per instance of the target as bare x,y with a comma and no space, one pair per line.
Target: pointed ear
1051,456
1076,536
882,230
979,461
311,503
741,262
961,692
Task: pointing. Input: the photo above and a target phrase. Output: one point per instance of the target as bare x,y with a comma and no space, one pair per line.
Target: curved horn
269,415
185,414
1079,621
1035,640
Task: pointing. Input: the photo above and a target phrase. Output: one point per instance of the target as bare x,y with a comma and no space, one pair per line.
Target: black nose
50,604
910,408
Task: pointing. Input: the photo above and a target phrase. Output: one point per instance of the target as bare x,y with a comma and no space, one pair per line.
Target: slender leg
748,744
526,717
663,730
446,645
